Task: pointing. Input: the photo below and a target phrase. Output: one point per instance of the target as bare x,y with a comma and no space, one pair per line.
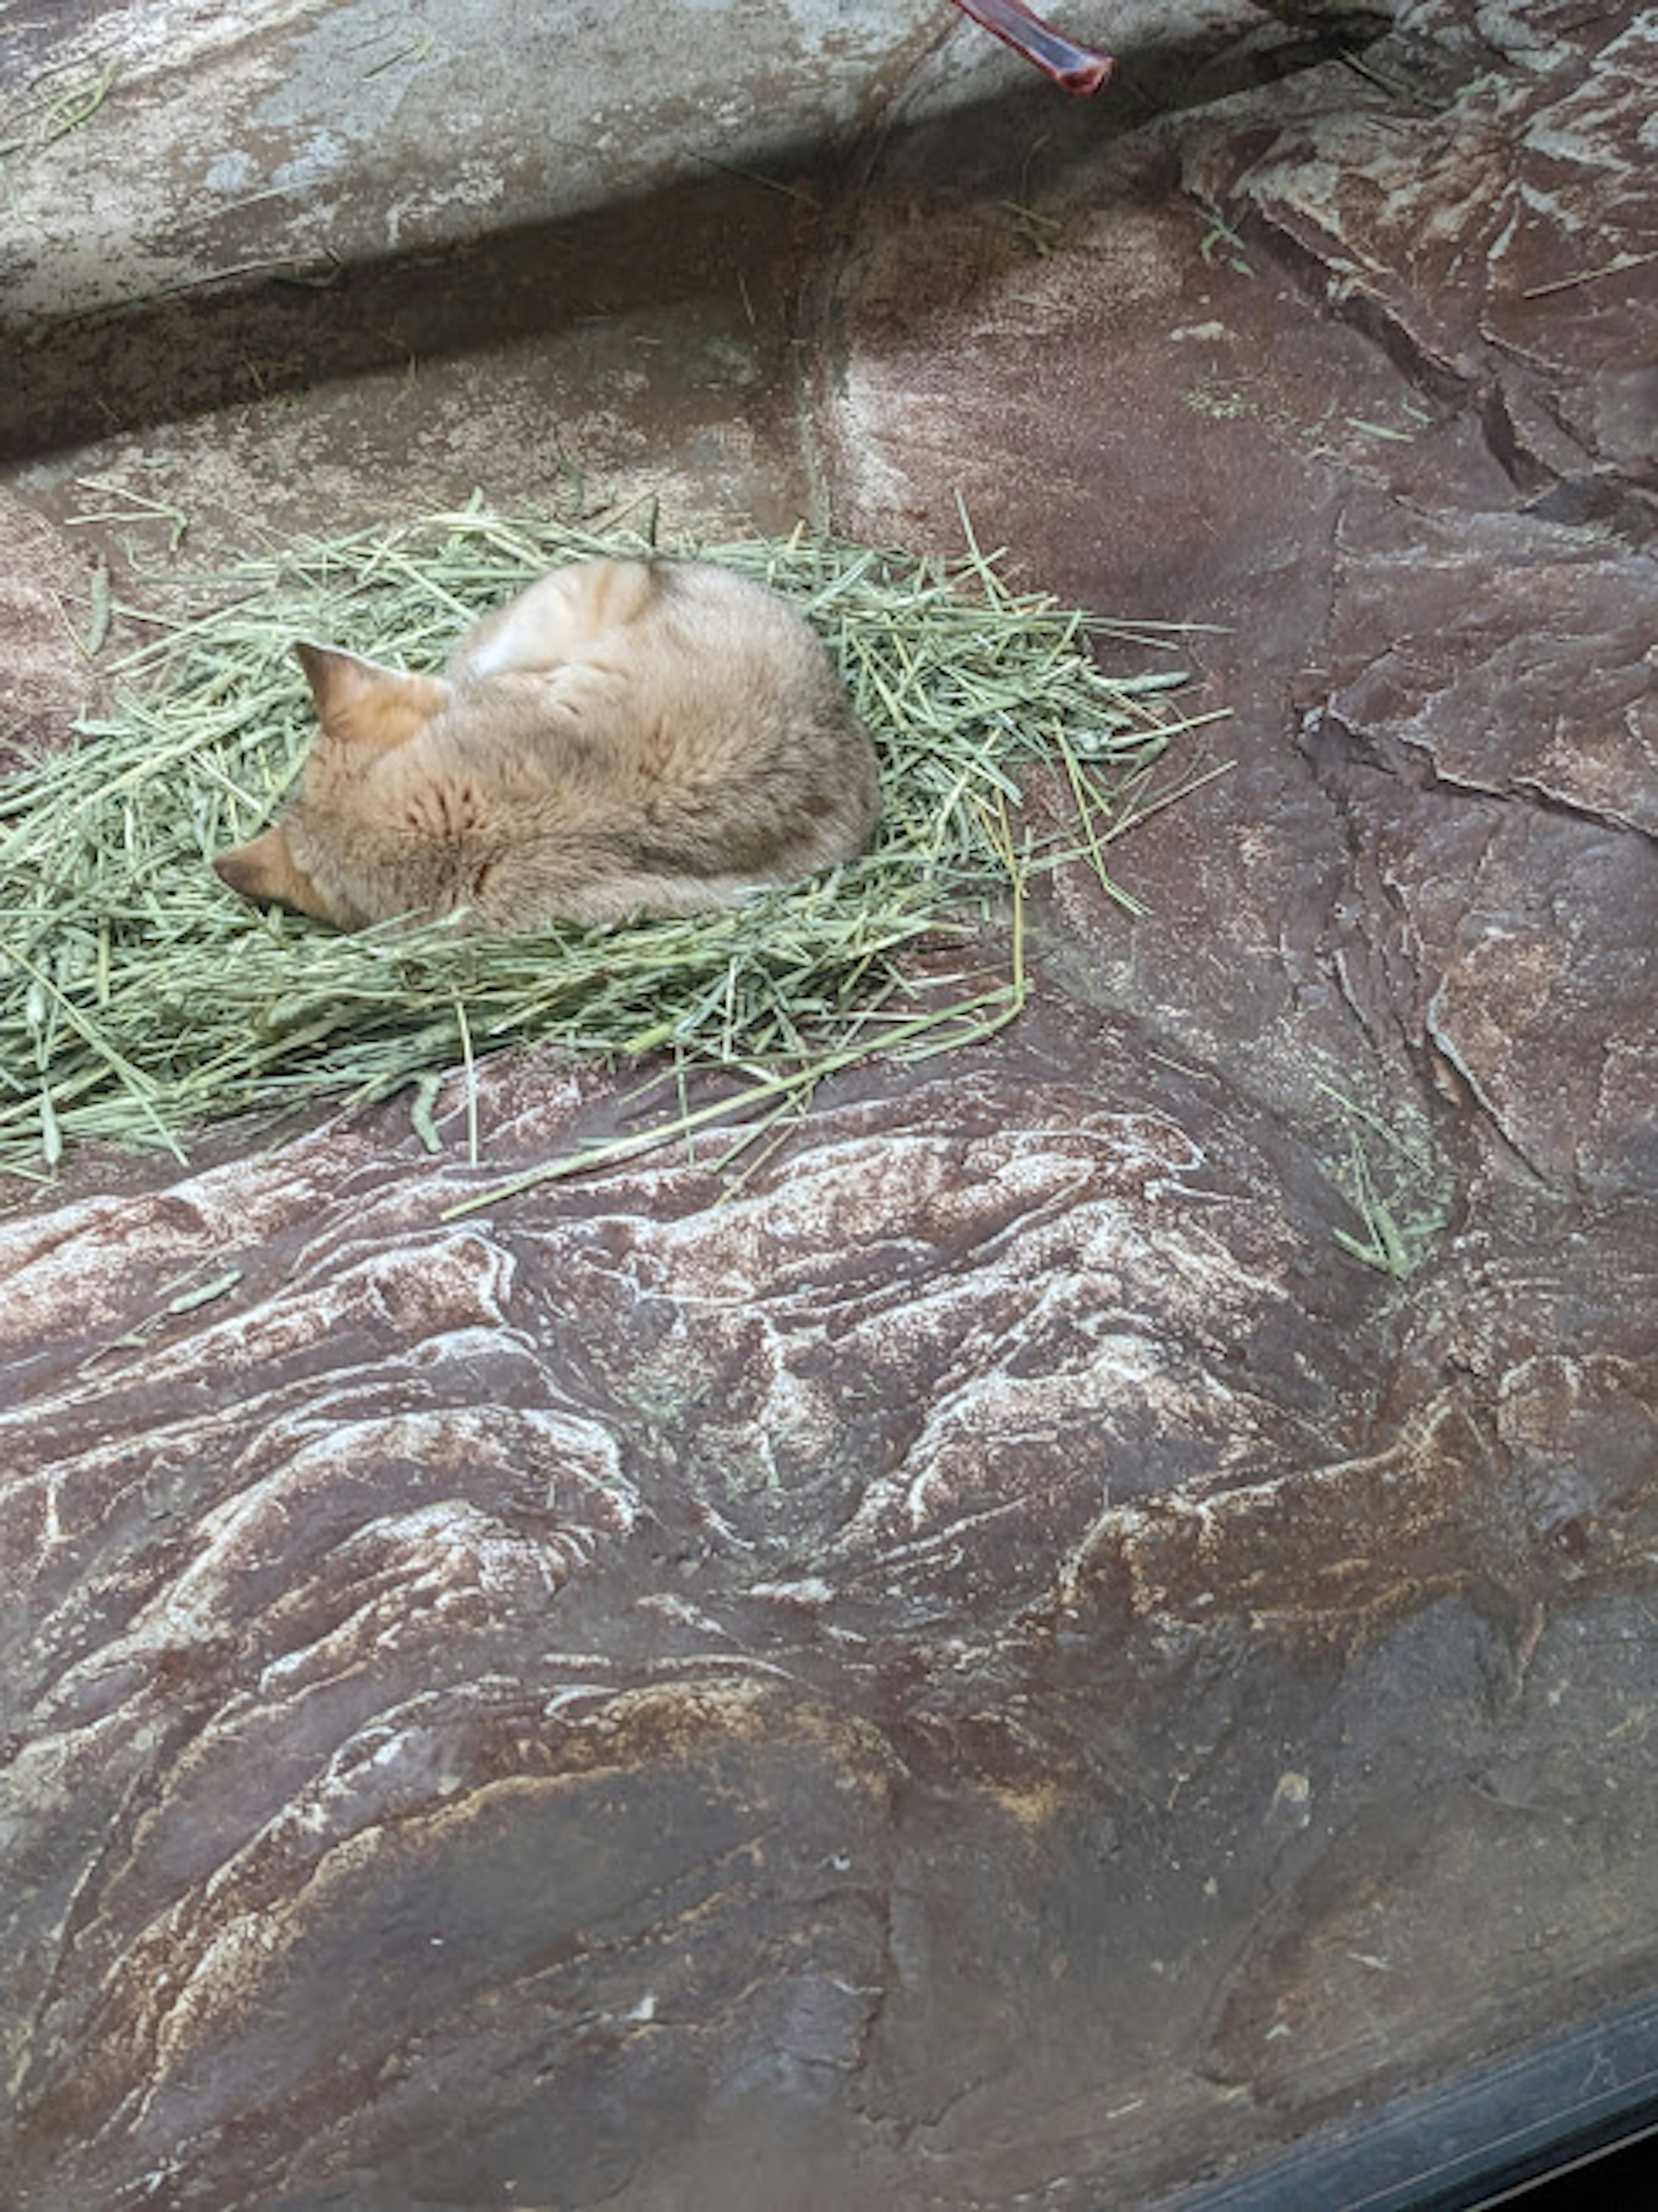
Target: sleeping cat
625,737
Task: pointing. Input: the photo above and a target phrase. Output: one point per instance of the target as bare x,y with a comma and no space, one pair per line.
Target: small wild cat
625,736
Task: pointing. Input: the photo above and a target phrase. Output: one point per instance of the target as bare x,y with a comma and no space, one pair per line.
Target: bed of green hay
140,997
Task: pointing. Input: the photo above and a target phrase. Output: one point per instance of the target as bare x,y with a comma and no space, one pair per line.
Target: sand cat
625,737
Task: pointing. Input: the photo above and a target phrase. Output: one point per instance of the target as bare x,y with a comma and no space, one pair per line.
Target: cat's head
323,853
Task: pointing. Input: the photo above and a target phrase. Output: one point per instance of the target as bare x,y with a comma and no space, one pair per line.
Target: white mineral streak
341,1509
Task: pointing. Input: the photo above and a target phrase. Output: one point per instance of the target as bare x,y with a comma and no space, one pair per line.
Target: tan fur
625,736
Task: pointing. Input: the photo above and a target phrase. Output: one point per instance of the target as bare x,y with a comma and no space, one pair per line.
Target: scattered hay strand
140,997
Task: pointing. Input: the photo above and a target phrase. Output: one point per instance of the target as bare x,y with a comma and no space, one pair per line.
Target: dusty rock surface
995,1659
48,626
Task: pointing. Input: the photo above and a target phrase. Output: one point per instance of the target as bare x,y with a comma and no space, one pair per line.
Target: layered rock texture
1093,1613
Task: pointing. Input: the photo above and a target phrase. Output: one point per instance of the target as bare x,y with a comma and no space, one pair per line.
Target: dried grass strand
139,998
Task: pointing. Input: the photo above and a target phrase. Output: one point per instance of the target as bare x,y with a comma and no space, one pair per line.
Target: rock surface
47,623
993,1659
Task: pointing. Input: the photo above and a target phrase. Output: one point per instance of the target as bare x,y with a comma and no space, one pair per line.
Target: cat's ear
265,872
361,703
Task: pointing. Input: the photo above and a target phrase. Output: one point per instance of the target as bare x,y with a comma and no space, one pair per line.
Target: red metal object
1078,69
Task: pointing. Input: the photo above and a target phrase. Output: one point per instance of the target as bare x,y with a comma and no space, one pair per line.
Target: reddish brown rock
46,625
1499,247
1493,752
998,1657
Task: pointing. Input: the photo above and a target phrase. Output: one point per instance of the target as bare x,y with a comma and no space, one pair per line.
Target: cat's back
644,676
659,734
733,665
744,700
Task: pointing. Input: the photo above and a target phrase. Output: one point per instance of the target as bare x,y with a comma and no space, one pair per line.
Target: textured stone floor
994,1662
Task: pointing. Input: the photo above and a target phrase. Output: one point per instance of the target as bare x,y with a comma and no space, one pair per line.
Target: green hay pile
138,996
